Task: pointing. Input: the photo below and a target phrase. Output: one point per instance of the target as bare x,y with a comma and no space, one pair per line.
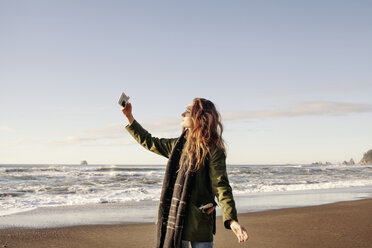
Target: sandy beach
343,224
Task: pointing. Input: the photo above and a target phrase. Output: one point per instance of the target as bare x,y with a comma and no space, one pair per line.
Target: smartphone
123,99
207,208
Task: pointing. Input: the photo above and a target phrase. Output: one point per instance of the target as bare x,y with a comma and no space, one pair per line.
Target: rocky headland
367,158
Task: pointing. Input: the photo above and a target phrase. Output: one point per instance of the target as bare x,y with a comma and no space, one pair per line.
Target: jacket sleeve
221,187
159,146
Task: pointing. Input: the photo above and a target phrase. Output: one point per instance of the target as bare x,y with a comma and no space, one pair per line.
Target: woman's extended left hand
240,232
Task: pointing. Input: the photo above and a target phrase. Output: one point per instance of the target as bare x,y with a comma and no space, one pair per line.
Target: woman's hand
239,230
127,111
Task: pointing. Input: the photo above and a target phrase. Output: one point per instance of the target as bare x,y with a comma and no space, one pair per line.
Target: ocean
41,196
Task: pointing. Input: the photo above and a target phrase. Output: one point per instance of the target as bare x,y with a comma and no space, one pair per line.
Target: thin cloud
119,142
102,133
317,88
21,141
114,134
319,108
108,133
5,128
343,86
161,125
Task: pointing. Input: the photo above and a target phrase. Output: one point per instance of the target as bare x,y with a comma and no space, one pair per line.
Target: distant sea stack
321,163
367,158
351,162
84,162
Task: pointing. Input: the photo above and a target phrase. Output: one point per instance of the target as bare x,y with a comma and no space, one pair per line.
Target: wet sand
341,225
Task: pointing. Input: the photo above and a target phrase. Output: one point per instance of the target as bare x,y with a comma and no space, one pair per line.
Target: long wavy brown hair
205,133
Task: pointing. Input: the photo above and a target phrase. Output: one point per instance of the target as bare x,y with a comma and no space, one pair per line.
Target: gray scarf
174,197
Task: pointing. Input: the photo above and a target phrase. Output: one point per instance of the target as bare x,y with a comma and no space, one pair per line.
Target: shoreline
341,224
113,194
146,211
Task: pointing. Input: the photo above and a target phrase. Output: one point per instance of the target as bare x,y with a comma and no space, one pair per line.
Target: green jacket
210,181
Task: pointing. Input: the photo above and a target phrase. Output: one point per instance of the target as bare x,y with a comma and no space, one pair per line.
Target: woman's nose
183,114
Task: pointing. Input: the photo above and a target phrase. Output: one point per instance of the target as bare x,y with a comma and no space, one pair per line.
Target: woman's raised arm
159,146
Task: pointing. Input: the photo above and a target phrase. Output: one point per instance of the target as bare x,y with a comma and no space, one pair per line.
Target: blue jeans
185,244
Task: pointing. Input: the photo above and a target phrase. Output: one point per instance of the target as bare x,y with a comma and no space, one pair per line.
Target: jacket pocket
202,219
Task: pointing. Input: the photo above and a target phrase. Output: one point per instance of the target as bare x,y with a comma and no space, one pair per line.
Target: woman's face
186,120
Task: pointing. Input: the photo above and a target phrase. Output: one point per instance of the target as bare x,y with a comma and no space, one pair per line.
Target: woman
195,175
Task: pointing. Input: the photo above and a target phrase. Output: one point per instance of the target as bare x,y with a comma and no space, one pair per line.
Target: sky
291,79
